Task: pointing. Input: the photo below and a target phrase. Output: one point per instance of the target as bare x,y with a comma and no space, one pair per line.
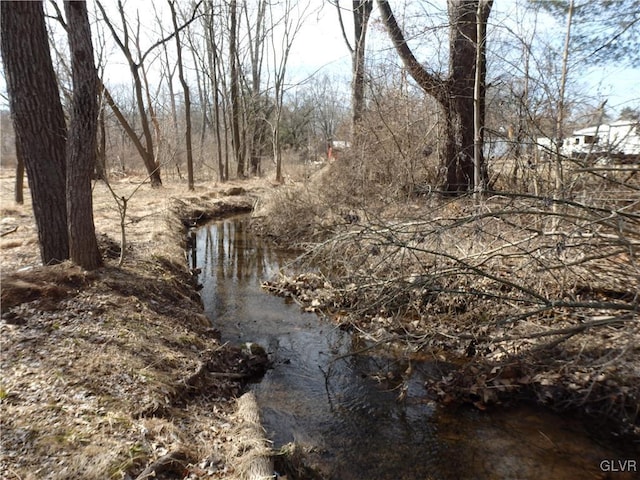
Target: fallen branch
13,230
570,330
201,372
253,452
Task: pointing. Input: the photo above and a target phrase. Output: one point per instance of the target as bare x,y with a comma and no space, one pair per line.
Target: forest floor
106,373
109,372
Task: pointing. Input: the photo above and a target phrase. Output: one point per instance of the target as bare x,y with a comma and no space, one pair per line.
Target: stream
346,412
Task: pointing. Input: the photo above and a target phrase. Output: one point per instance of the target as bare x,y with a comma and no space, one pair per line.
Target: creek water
346,412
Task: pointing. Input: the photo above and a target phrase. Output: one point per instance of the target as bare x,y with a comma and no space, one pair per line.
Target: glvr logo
618,466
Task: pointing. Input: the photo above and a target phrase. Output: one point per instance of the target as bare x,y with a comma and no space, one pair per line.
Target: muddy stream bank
343,410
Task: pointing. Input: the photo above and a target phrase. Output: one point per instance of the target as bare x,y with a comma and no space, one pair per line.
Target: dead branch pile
513,277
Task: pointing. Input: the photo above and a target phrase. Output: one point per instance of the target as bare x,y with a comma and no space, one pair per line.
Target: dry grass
98,368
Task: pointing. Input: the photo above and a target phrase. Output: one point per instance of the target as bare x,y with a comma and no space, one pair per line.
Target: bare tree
258,106
361,14
213,63
135,64
561,106
454,93
236,114
38,121
81,142
187,96
289,24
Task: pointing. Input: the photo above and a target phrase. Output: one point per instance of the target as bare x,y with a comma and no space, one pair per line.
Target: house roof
604,128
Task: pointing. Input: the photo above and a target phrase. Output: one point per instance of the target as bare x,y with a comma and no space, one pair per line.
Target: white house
618,139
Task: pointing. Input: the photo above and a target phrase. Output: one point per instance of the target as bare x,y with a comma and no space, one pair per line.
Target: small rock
13,318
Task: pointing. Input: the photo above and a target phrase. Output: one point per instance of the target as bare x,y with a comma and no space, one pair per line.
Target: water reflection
233,263
353,424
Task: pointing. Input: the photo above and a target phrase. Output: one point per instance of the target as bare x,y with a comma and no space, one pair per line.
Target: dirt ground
109,372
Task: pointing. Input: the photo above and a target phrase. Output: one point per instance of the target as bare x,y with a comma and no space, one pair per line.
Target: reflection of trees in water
229,256
232,252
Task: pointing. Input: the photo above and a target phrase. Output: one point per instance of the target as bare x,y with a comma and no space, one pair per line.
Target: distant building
619,139
335,148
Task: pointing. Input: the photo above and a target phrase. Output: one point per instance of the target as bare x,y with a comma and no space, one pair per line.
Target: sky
320,48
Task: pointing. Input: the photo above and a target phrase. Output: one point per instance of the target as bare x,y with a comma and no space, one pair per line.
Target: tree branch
430,83
344,33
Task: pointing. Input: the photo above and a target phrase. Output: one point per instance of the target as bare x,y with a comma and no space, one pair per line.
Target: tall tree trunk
455,94
361,13
203,94
38,120
258,110
213,68
238,149
459,143
169,68
153,168
560,117
81,143
187,99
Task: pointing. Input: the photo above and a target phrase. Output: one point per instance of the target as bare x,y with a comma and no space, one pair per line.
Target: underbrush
536,297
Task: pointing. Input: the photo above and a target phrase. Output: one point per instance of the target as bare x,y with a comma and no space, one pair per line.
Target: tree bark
38,120
81,143
455,93
361,13
238,149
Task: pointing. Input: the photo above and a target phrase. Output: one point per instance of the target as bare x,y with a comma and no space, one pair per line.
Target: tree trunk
361,13
238,149
258,111
455,94
458,160
187,99
81,143
213,67
560,117
38,120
